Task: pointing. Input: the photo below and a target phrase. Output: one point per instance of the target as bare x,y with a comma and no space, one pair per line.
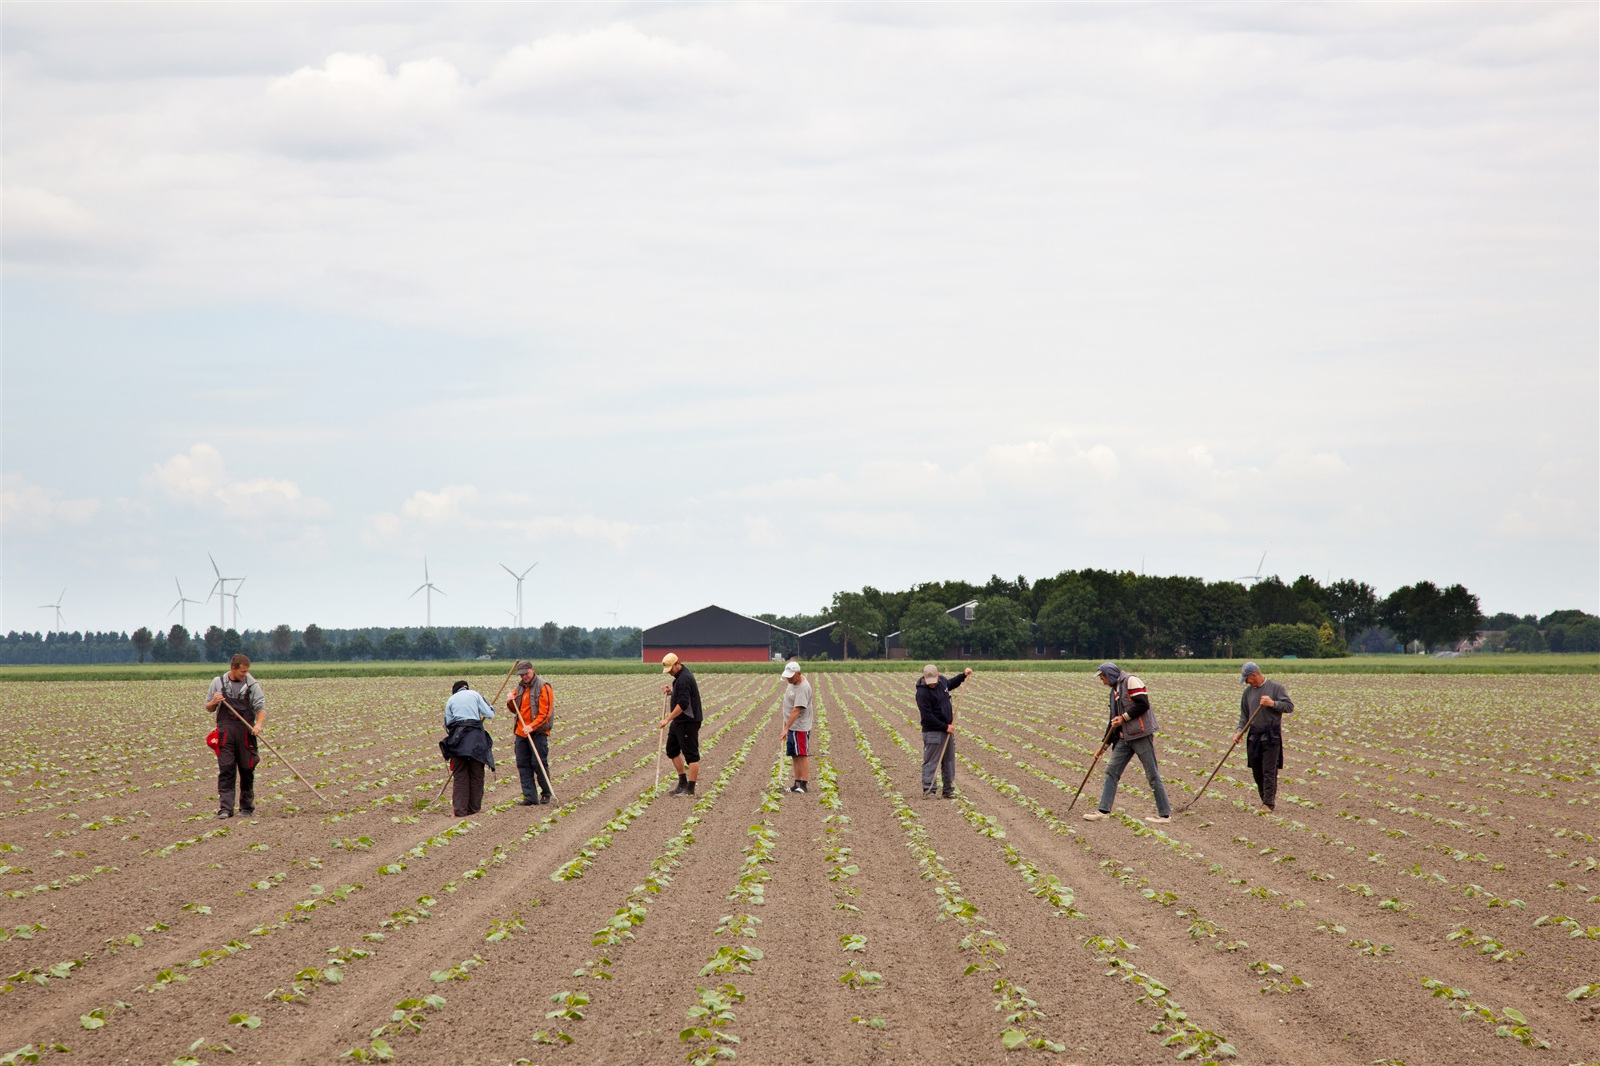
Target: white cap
790,669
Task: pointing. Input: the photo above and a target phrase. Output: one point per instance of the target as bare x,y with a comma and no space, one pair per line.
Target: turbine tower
519,577
427,583
182,606
56,607
613,612
1251,579
234,596
219,589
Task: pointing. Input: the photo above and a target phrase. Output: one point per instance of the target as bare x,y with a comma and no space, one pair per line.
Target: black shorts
683,738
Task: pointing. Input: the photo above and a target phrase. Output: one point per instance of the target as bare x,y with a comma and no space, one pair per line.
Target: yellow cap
668,661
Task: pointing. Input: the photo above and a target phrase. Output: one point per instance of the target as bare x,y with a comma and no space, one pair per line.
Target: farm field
1427,892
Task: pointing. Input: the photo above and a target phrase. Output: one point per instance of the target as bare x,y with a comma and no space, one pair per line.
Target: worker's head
238,667
1250,674
792,674
930,675
1108,673
457,687
524,669
670,664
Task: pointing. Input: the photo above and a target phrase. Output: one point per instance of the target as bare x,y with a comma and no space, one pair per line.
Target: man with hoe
1131,731
241,712
799,718
533,704
938,727
1262,708
682,724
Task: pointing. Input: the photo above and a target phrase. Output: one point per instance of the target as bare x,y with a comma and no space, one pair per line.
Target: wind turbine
427,583
613,613
219,588
519,578
181,606
234,595
1253,578
56,607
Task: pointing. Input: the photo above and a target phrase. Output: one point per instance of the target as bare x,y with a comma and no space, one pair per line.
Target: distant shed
711,635
819,642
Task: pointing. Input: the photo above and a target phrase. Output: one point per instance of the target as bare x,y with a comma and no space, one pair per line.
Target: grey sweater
1270,720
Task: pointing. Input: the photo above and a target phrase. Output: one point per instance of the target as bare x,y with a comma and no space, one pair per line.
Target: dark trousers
236,756
1266,755
932,763
533,781
467,792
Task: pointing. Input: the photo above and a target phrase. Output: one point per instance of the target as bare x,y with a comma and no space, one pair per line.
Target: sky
750,303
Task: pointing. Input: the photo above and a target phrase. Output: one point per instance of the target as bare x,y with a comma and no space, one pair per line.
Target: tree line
1111,614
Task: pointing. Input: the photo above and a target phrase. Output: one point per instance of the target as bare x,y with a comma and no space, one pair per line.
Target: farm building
815,643
711,635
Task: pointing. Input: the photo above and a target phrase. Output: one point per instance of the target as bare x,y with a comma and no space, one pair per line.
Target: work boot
947,795
1095,816
680,790
545,797
930,793
524,801
224,813
796,787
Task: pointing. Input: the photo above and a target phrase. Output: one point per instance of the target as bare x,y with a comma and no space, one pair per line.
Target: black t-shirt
686,694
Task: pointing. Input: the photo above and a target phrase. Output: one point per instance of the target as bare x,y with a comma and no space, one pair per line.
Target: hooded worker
1131,731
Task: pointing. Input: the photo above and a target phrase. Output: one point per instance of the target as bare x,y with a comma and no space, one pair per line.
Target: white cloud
1537,516
200,477
26,508
512,515
354,105
616,62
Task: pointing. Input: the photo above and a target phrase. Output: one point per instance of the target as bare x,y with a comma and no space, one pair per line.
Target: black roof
711,627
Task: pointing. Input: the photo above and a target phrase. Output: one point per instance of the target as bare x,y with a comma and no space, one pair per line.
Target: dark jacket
467,739
686,694
1129,697
934,703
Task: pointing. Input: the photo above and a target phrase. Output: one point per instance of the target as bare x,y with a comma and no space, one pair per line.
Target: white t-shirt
799,696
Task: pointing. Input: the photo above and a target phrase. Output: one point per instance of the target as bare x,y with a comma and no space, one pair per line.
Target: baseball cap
522,664
668,661
1246,670
930,671
790,669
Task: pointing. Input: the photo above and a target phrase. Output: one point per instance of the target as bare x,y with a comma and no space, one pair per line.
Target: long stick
1101,750
542,770
276,752
1224,759
452,776
661,740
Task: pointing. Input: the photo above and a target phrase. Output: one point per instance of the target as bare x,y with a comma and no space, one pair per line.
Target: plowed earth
1428,890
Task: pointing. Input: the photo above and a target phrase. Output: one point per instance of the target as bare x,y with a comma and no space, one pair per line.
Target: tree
1352,607
142,642
630,645
232,644
1225,615
472,643
213,642
1278,641
1068,619
926,631
395,646
574,643
1456,616
550,637
177,643
859,623
429,646
602,644
314,641
999,628
282,642
360,647
1275,603
1423,612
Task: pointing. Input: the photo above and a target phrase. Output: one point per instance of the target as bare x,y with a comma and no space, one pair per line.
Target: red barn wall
757,654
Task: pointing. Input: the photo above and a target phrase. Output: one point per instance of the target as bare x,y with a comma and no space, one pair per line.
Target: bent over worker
533,704
234,696
1267,701
682,724
1132,732
938,716
467,746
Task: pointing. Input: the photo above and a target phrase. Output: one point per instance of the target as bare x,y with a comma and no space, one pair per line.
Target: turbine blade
510,571
418,589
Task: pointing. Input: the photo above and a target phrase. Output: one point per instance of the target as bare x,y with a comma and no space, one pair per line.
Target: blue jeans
1121,752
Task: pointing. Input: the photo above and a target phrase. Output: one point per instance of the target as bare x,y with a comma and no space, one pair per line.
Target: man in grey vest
241,712
1132,731
1262,708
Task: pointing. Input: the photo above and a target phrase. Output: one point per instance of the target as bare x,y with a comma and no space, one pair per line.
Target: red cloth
213,741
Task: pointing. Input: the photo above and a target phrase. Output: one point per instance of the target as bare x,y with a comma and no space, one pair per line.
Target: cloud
616,63
200,477
518,515
353,105
26,508
1537,516
42,225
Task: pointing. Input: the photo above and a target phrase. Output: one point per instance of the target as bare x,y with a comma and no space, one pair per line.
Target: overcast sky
746,304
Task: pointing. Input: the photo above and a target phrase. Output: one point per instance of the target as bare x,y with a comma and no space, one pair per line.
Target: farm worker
938,727
237,693
533,704
799,717
682,724
1133,732
1268,702
467,746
